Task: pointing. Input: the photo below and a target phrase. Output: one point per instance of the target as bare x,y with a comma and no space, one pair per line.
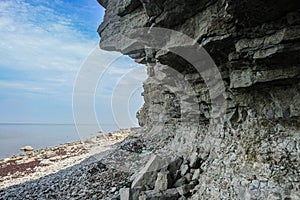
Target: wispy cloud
26,86
36,37
37,33
43,44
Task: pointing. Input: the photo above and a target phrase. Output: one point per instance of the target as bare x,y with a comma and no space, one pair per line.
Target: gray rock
188,177
169,194
113,189
162,181
195,160
103,2
148,175
180,182
184,189
175,165
182,198
184,169
196,174
135,192
124,194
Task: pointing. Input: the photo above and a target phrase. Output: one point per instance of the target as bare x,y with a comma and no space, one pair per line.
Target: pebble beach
36,164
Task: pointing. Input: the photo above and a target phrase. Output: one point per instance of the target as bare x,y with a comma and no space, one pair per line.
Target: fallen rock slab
148,175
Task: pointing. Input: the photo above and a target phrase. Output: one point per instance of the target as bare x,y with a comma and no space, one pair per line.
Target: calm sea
15,136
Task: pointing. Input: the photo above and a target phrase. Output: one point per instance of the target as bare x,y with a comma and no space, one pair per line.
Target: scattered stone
21,168
6,160
113,189
53,159
188,177
135,192
135,146
184,169
97,167
162,181
169,194
173,168
195,160
109,134
180,182
16,158
182,198
175,165
124,194
27,148
184,189
196,174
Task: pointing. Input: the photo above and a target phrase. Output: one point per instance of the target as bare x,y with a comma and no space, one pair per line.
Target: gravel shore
40,174
94,170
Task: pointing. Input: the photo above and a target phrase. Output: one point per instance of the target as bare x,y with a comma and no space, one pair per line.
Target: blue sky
43,46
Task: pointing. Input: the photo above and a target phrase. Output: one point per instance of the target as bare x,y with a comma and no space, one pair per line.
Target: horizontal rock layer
252,149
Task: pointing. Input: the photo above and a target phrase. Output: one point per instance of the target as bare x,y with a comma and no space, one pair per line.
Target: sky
48,51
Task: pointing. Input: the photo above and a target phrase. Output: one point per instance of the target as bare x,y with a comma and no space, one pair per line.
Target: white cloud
34,37
37,40
27,86
49,47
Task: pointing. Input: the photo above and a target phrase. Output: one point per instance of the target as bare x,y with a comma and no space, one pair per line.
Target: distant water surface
15,136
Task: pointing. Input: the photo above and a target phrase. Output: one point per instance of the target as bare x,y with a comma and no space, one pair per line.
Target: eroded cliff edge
256,48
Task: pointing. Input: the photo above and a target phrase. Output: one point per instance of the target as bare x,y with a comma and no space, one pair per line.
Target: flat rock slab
148,175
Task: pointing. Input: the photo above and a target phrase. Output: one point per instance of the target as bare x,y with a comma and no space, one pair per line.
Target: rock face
251,150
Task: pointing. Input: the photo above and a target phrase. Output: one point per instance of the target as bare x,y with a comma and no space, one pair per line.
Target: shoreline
38,163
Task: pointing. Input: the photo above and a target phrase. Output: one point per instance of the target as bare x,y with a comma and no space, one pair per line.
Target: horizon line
45,123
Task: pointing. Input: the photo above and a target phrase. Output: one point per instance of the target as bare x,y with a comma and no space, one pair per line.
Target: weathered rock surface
253,151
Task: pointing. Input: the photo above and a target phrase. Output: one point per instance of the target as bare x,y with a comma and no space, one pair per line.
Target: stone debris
167,185
136,146
88,175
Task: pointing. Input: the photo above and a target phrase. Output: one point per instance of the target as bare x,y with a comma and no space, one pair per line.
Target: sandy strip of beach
36,164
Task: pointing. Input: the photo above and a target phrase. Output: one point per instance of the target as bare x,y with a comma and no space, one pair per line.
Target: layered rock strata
250,148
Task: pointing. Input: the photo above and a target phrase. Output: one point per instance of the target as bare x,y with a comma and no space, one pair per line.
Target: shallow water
15,136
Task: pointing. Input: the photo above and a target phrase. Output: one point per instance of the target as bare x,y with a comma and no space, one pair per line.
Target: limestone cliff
252,150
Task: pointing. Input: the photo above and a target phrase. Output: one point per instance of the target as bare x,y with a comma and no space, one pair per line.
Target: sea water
15,136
